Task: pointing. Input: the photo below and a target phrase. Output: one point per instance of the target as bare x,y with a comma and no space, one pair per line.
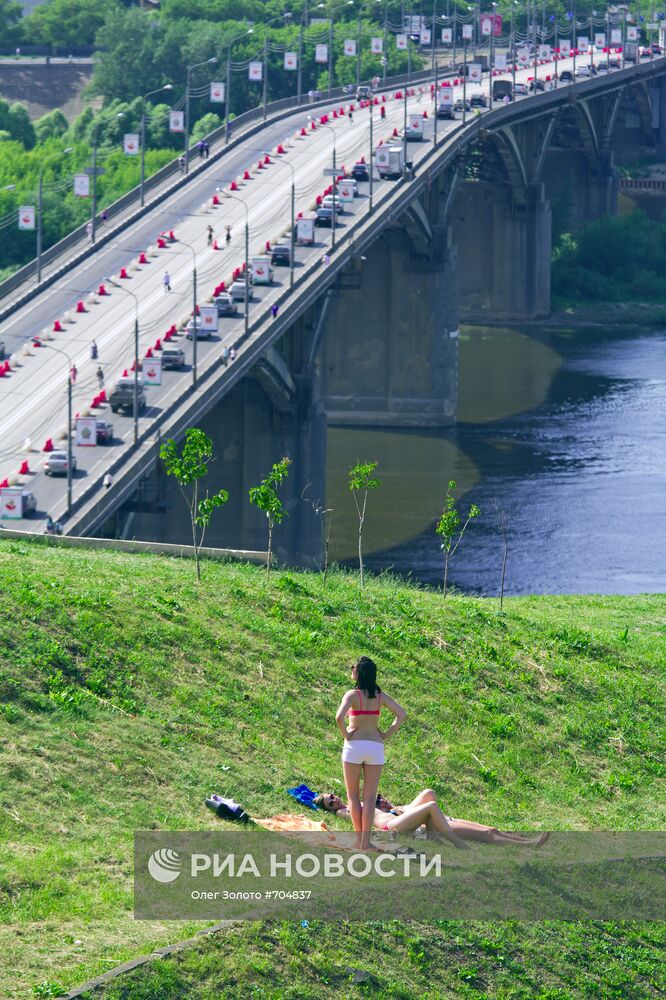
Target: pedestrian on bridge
274,309
351,116
227,238
232,354
107,481
210,236
166,281
225,356
73,372
100,377
93,351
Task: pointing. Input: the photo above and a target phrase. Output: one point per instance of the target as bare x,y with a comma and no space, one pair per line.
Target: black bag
227,808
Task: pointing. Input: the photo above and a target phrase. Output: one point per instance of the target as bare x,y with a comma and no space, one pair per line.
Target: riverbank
128,693
625,315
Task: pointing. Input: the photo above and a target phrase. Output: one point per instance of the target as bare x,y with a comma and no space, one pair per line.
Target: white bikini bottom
363,752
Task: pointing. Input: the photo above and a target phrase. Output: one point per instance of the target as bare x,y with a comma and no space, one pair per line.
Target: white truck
415,128
262,272
390,161
305,230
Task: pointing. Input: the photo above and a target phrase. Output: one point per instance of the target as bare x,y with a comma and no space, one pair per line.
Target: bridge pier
390,352
504,252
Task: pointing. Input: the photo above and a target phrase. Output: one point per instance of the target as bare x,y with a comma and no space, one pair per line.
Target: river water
562,434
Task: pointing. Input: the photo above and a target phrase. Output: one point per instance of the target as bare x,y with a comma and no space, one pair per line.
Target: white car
521,90
328,203
56,464
237,290
583,71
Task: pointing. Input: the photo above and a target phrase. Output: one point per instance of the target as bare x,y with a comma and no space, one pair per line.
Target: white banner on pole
176,121
291,60
565,47
524,57
350,47
256,71
11,502
486,26
583,43
217,92
445,97
500,61
600,41
474,72
321,53
425,36
616,36
376,46
632,34
81,185
86,432
131,144
544,52
467,32
447,36
401,42
208,317
152,371
26,217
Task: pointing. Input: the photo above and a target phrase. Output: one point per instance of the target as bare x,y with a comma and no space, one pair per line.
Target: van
122,395
502,89
363,93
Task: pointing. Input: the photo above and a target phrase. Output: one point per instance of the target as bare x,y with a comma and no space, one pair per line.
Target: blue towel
304,795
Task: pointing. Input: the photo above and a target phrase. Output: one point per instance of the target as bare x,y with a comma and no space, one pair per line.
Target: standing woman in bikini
363,750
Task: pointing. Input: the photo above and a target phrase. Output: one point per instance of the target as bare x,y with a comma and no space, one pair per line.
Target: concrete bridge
368,335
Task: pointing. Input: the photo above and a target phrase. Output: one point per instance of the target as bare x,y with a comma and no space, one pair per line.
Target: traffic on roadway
73,349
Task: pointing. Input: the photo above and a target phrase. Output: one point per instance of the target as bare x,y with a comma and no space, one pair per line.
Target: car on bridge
28,503
281,255
566,76
122,395
461,105
237,290
324,217
105,430
535,85
173,357
583,71
57,462
328,203
478,101
194,324
359,172
226,305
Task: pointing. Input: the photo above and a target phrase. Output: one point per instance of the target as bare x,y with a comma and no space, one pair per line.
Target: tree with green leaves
361,481
188,468
265,497
451,527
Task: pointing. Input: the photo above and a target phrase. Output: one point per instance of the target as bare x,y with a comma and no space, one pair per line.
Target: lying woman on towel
424,811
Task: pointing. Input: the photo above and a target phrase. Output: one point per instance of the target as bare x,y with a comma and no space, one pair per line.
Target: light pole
331,39
228,87
127,291
286,163
69,421
359,29
205,62
194,310
167,86
513,51
95,171
247,259
299,68
40,203
332,131
434,69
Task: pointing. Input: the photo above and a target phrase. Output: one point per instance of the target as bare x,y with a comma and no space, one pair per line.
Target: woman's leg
490,835
427,795
428,813
352,773
371,775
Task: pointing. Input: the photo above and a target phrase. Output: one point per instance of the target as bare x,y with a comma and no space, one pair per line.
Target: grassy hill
127,693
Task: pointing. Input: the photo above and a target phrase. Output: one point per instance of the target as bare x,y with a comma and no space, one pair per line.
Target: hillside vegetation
128,693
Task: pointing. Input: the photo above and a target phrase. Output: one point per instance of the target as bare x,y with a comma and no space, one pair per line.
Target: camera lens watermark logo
165,865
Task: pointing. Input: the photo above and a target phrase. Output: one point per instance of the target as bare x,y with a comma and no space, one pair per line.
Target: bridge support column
504,252
390,348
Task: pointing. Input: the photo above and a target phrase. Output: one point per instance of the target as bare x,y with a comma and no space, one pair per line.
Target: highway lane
32,400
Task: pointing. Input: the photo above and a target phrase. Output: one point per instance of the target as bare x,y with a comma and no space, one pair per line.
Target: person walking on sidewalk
166,281
210,236
99,374
93,351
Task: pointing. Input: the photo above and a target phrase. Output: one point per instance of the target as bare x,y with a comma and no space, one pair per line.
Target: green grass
127,693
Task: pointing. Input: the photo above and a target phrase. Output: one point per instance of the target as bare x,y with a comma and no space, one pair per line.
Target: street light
347,3
286,163
332,131
228,87
95,171
281,17
136,353
194,310
205,62
69,421
247,259
151,93
40,199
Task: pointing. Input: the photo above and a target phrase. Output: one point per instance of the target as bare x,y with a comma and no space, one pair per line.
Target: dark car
359,172
104,432
566,76
478,101
122,396
445,112
614,62
536,85
324,217
656,48
281,255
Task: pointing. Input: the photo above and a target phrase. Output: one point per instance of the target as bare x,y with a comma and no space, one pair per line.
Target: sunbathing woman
424,811
363,750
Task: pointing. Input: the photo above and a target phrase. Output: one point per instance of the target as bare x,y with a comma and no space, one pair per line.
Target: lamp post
247,259
95,170
299,68
359,29
370,158
331,39
205,62
513,51
69,421
228,87
127,291
286,163
434,69
194,310
151,93
332,131
40,203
